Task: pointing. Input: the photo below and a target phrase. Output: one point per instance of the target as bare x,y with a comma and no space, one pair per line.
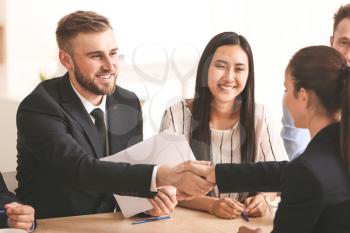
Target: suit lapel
123,121
111,108
72,104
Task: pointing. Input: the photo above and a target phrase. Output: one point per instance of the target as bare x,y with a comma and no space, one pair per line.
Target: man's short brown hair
342,13
79,22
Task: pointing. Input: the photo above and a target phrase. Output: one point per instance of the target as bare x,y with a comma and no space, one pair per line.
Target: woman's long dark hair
324,71
200,136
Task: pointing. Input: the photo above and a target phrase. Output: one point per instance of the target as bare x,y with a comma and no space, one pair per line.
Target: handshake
191,178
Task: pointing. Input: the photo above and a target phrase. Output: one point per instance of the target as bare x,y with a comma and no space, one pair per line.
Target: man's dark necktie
98,115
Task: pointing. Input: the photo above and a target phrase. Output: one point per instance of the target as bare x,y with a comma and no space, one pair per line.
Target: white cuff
154,179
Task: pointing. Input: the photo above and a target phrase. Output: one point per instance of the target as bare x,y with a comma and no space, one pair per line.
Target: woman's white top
177,119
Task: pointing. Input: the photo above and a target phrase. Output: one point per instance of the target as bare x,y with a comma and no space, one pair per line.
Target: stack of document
163,148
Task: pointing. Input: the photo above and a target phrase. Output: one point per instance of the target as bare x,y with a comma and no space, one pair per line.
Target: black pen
150,219
245,217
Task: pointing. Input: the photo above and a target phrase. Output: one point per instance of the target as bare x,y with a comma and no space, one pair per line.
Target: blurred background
160,43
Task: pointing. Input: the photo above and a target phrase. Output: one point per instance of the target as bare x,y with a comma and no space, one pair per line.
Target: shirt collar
89,106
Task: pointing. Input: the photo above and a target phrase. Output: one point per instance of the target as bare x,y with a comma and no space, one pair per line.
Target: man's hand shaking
191,178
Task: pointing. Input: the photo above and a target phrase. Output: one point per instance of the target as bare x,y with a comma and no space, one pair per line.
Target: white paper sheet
164,148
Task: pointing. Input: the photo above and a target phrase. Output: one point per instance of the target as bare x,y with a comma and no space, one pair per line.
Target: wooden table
182,221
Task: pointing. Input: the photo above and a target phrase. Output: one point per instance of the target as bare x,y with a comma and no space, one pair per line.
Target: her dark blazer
59,172
315,187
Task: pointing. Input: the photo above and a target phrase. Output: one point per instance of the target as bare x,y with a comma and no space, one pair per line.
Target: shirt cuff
154,179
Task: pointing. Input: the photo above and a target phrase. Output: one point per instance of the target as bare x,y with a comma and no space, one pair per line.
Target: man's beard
91,86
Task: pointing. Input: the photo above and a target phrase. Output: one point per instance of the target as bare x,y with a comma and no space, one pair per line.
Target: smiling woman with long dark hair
223,124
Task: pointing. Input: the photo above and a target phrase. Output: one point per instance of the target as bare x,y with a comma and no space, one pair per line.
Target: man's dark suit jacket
59,172
315,187
5,198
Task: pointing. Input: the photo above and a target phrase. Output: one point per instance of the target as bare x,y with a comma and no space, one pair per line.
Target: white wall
161,42
3,88
8,135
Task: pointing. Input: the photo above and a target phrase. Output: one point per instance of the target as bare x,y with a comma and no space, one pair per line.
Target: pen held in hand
150,219
245,217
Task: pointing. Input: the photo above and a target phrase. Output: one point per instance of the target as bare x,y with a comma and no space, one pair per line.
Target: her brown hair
324,71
